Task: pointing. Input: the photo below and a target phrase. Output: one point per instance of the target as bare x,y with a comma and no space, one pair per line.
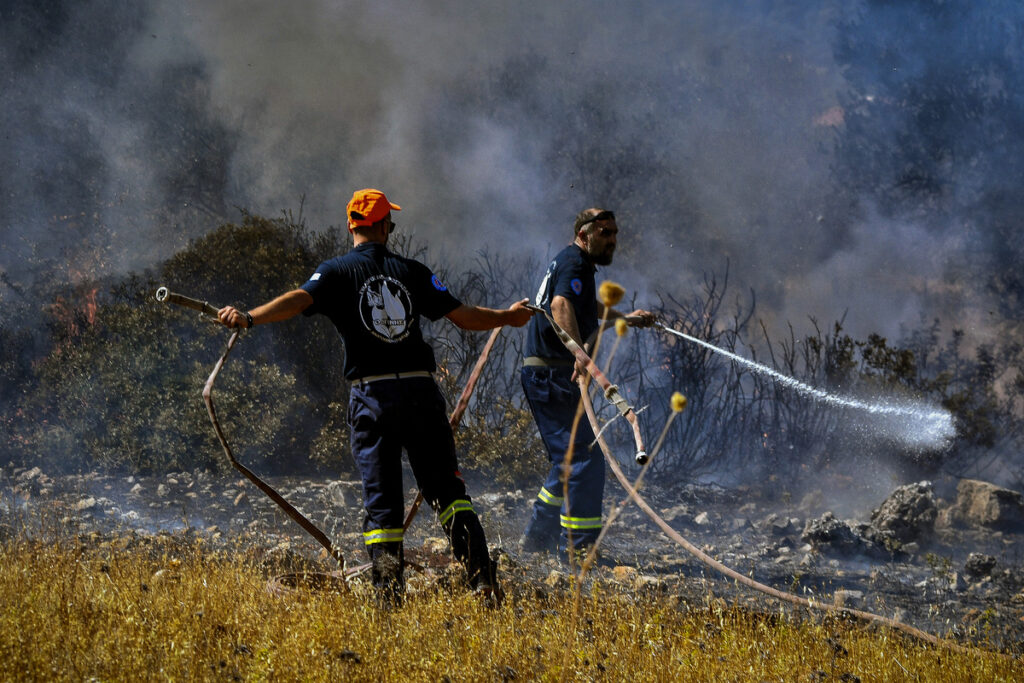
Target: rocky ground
950,566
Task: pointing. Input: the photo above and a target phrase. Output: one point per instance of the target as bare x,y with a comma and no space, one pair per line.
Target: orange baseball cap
367,207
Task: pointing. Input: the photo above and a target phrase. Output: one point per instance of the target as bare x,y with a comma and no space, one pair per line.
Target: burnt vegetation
109,378
930,133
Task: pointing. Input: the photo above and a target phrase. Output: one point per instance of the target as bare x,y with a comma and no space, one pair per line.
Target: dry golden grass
161,610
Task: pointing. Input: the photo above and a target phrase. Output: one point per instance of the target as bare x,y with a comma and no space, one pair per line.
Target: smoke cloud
798,143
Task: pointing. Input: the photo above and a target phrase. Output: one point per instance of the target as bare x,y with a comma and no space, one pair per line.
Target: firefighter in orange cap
375,299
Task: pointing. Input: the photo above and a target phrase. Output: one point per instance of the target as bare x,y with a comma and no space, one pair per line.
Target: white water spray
914,423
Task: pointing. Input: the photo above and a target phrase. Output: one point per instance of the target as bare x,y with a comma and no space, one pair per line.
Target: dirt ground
933,587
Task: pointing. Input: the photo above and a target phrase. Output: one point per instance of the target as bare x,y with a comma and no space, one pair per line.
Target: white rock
85,504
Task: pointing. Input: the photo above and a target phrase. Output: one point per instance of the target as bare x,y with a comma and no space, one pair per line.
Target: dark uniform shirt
570,275
375,299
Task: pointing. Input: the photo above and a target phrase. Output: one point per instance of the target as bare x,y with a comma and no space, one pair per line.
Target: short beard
602,259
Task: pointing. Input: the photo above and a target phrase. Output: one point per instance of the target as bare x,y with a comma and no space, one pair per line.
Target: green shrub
124,391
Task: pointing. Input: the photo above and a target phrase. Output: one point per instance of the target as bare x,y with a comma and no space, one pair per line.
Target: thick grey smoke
719,132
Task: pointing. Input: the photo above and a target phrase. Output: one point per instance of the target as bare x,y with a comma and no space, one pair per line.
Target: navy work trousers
384,417
553,398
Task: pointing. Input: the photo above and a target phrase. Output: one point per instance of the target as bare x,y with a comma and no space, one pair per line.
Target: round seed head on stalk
678,402
621,327
610,292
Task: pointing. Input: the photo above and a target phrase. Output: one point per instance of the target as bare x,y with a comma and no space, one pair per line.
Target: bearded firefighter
564,518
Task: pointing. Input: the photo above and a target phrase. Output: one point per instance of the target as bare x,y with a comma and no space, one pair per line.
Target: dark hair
358,216
587,216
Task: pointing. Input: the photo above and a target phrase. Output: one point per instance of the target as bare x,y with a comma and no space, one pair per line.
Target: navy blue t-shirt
375,299
570,275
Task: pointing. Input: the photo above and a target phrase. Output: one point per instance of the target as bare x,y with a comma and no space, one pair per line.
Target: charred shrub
741,423
497,434
112,378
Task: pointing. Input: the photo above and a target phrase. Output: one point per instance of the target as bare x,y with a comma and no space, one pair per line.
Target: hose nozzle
166,296
641,457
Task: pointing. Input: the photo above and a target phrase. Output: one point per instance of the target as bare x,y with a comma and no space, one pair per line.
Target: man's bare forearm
480,318
286,306
638,318
564,314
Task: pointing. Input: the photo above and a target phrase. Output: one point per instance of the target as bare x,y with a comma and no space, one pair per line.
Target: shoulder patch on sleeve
315,276
438,285
577,285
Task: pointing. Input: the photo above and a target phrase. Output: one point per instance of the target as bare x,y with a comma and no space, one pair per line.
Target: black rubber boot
484,582
538,543
388,576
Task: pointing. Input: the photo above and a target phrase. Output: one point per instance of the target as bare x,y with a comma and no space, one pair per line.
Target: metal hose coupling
641,457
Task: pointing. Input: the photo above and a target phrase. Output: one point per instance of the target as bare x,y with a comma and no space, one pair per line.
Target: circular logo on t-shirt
385,308
577,285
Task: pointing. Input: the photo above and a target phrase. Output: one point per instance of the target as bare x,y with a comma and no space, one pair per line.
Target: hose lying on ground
733,574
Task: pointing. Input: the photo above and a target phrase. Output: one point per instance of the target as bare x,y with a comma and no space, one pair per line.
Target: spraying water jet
913,423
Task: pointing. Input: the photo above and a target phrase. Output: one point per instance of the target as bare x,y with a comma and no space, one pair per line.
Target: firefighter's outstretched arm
288,305
480,318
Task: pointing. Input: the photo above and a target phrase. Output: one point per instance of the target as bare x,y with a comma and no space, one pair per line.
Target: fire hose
610,391
733,574
166,296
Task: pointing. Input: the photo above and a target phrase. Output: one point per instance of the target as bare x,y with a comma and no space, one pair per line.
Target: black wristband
249,320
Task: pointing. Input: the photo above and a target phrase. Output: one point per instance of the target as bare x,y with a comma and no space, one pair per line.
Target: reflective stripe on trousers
553,398
580,522
549,498
383,536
